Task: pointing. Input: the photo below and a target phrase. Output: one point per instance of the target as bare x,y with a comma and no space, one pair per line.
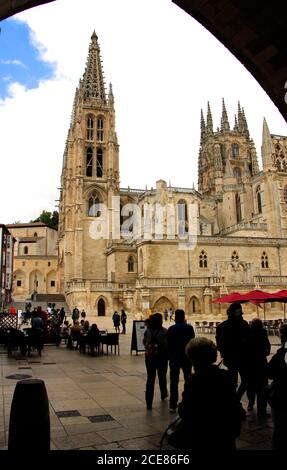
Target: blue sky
20,60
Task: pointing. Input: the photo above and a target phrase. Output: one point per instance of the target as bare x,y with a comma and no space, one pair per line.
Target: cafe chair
112,342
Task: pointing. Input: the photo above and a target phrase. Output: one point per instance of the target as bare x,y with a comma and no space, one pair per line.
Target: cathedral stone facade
167,247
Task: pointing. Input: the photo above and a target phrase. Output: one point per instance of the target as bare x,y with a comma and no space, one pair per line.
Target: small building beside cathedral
167,247
35,260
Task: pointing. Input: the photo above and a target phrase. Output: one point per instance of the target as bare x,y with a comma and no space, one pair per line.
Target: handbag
175,434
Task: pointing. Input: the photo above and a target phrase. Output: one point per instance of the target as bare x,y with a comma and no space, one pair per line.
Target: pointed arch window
203,259
182,217
90,128
234,150
89,162
100,130
93,206
258,198
238,208
100,160
26,250
264,261
131,264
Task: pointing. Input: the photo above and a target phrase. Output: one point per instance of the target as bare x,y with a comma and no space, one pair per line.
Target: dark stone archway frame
253,31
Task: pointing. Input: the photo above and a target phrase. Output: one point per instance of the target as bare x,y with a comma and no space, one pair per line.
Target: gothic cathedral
167,247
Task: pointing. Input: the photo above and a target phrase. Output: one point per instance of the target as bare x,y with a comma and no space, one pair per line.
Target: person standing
257,378
62,315
83,314
123,321
232,339
156,361
165,315
116,320
75,315
178,335
170,314
277,371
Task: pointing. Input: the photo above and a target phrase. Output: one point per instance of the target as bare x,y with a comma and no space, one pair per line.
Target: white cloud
13,62
163,66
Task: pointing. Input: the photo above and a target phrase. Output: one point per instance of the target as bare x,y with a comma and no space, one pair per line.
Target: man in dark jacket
178,335
232,339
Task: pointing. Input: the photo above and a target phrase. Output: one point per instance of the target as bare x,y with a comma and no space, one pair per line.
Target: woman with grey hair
210,409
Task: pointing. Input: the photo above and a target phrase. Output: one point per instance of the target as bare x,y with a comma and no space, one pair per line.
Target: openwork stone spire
267,148
202,127
225,127
93,84
209,122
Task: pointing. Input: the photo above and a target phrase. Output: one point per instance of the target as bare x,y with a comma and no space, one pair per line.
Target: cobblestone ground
97,403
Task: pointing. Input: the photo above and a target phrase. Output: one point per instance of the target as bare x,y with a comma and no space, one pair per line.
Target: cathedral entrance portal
101,308
162,304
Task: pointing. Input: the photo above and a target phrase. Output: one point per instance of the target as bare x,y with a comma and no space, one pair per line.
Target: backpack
151,347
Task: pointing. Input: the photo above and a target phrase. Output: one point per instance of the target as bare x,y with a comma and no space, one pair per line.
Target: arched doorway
51,282
162,304
101,308
35,282
194,307
19,282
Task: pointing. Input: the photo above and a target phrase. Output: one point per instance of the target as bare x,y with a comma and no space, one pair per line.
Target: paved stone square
98,403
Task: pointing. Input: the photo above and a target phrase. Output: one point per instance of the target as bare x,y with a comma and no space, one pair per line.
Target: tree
49,218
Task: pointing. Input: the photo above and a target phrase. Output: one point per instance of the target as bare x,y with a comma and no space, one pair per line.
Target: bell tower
227,165
90,173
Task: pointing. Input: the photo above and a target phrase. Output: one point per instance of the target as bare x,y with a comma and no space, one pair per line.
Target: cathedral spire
209,123
93,84
235,128
267,148
225,127
202,126
111,96
245,125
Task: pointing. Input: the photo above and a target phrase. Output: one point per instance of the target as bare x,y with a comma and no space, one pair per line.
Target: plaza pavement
98,403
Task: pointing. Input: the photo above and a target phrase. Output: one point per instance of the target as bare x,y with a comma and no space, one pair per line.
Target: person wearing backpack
156,359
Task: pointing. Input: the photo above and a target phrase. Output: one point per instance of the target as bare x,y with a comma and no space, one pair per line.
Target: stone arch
35,282
19,281
51,285
101,306
161,304
194,306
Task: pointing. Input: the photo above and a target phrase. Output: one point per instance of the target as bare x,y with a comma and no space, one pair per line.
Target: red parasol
229,298
256,297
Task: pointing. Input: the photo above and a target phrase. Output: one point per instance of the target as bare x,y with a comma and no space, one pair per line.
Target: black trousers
155,365
235,368
175,364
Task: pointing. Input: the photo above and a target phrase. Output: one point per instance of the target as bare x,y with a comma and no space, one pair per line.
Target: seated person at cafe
93,338
74,335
